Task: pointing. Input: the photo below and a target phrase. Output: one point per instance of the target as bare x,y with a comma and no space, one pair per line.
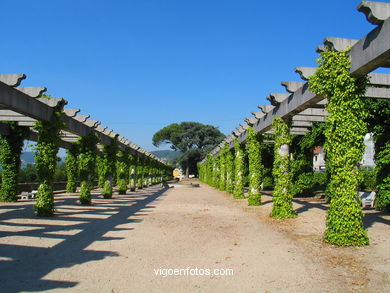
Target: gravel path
133,243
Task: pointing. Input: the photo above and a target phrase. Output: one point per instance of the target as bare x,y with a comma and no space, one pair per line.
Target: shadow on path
70,231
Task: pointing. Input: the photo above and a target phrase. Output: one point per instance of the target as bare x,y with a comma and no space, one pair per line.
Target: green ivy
222,167
109,158
344,146
256,167
46,160
11,146
132,172
216,172
229,171
122,167
87,163
101,167
140,172
71,163
379,125
239,164
282,196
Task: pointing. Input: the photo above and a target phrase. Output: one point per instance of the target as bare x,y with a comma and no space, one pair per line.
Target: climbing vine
122,167
239,164
344,132
87,163
11,146
140,172
216,172
229,171
46,160
71,163
108,160
101,171
379,125
132,172
282,196
222,167
256,168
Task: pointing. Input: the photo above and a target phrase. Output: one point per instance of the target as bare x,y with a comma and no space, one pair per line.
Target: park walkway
128,243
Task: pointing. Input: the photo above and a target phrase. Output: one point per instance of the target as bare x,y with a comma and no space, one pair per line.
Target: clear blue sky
139,65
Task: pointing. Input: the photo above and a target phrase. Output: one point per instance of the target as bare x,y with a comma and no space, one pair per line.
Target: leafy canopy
193,139
188,136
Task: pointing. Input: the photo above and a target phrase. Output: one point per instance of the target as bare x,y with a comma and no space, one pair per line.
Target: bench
367,198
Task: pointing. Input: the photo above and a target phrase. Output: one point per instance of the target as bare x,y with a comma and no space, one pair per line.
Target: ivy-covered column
344,145
11,146
140,172
229,170
46,161
109,160
239,164
132,171
72,170
256,168
216,172
87,162
283,194
122,167
101,171
222,167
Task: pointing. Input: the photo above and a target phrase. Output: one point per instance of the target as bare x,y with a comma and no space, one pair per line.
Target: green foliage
379,125
140,172
256,168
72,169
367,179
344,132
216,172
239,164
283,194
28,174
268,183
132,172
46,160
193,139
122,167
229,170
108,166
11,146
87,163
222,167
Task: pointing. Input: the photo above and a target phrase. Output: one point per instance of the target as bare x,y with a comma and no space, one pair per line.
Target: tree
193,139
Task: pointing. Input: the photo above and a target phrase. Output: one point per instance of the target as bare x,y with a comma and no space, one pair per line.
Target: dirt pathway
134,243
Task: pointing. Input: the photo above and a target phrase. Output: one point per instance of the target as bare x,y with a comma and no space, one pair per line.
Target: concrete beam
292,86
12,79
313,112
71,112
34,92
266,108
377,93
375,12
305,72
372,51
250,120
18,101
53,102
81,118
298,124
258,114
339,44
92,123
276,98
309,118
